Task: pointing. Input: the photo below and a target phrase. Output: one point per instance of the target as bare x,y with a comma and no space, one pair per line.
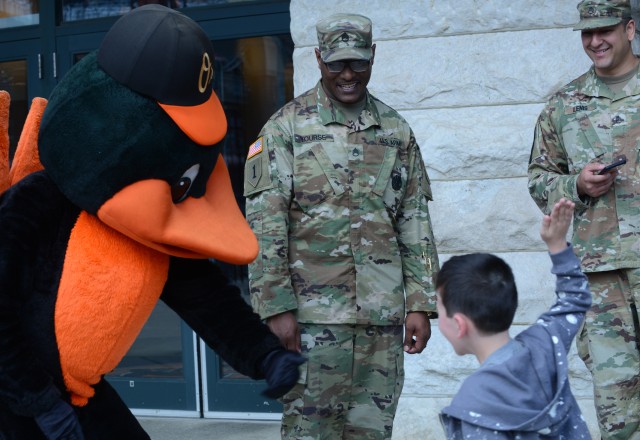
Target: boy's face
448,326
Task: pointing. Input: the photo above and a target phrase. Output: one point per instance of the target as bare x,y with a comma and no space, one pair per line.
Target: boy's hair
480,286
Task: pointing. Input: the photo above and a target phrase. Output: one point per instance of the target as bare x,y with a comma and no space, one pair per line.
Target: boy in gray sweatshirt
521,390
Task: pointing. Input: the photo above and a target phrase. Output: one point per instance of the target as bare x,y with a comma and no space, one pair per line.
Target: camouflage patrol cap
596,14
344,37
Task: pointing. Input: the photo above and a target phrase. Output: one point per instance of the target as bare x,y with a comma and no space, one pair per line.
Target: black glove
280,368
60,423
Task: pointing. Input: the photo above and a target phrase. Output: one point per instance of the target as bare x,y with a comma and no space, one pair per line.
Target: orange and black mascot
117,197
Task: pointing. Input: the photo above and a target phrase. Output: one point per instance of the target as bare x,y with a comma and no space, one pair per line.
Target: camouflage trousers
350,385
608,345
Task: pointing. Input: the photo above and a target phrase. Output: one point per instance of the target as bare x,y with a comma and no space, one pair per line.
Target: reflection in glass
73,10
253,79
157,352
15,13
13,79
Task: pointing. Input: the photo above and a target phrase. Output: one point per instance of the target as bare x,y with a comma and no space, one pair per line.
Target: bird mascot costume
118,196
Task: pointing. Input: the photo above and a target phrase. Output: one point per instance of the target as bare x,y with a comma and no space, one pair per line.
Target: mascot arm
29,214
202,295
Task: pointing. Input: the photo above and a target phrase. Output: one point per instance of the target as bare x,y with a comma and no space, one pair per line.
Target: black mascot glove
280,368
60,423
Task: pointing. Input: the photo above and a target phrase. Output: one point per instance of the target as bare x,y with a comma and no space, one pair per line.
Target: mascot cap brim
163,54
205,124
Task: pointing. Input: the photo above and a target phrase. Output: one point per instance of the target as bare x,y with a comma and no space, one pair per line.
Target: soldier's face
610,48
346,86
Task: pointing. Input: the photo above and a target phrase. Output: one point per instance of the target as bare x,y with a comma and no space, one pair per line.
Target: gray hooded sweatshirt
522,390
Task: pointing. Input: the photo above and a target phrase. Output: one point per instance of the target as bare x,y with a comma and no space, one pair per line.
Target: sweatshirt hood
528,395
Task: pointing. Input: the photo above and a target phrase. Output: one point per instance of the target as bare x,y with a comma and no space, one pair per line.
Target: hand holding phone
620,160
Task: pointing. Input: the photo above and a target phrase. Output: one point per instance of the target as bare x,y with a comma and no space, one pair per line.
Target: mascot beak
211,226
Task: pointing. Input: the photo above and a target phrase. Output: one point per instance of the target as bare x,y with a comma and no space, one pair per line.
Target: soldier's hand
417,332
285,327
591,184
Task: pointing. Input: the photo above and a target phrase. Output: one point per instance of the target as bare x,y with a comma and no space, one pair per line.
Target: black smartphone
620,160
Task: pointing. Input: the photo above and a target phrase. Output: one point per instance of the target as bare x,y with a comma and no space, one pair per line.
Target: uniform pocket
314,178
391,181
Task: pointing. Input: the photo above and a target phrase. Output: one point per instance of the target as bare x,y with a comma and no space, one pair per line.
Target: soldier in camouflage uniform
587,124
337,195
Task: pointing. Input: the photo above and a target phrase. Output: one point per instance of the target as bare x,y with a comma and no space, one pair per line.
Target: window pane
157,351
73,10
253,78
13,79
15,13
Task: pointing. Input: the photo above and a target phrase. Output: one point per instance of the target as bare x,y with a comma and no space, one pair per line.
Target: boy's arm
573,297
572,289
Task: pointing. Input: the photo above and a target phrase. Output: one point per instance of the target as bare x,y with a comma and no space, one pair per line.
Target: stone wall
470,76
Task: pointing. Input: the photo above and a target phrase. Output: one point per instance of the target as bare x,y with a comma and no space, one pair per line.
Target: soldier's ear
630,29
373,53
318,57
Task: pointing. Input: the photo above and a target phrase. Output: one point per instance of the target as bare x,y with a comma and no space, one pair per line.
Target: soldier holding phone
584,127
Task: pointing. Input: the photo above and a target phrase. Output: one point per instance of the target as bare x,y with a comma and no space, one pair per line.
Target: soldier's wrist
428,314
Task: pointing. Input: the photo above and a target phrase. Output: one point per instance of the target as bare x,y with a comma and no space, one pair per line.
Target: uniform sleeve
548,172
267,208
573,297
417,243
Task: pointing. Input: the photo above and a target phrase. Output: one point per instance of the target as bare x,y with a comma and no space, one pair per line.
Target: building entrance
168,370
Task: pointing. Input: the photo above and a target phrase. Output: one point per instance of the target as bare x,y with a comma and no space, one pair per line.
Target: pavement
177,428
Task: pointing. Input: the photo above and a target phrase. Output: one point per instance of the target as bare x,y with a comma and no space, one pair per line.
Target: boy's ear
462,325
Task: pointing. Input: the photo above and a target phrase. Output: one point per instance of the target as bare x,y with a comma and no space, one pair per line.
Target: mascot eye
180,189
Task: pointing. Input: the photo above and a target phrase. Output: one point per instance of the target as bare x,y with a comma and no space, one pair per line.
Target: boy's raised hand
556,225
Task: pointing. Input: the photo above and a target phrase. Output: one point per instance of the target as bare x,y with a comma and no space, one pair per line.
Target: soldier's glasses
357,66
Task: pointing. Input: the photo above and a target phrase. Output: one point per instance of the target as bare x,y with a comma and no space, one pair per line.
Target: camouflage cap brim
596,23
346,53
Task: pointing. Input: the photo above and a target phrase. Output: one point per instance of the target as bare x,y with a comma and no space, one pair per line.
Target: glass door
20,77
19,13
253,78
158,374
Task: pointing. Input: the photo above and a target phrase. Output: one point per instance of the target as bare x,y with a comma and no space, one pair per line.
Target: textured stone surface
395,19
470,77
464,70
475,142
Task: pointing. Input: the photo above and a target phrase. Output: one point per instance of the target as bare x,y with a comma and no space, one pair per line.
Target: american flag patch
255,148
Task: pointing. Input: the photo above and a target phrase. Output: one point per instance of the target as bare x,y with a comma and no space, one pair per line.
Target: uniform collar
594,86
331,114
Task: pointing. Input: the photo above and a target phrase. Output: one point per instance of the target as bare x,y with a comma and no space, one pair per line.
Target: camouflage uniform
340,212
586,122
